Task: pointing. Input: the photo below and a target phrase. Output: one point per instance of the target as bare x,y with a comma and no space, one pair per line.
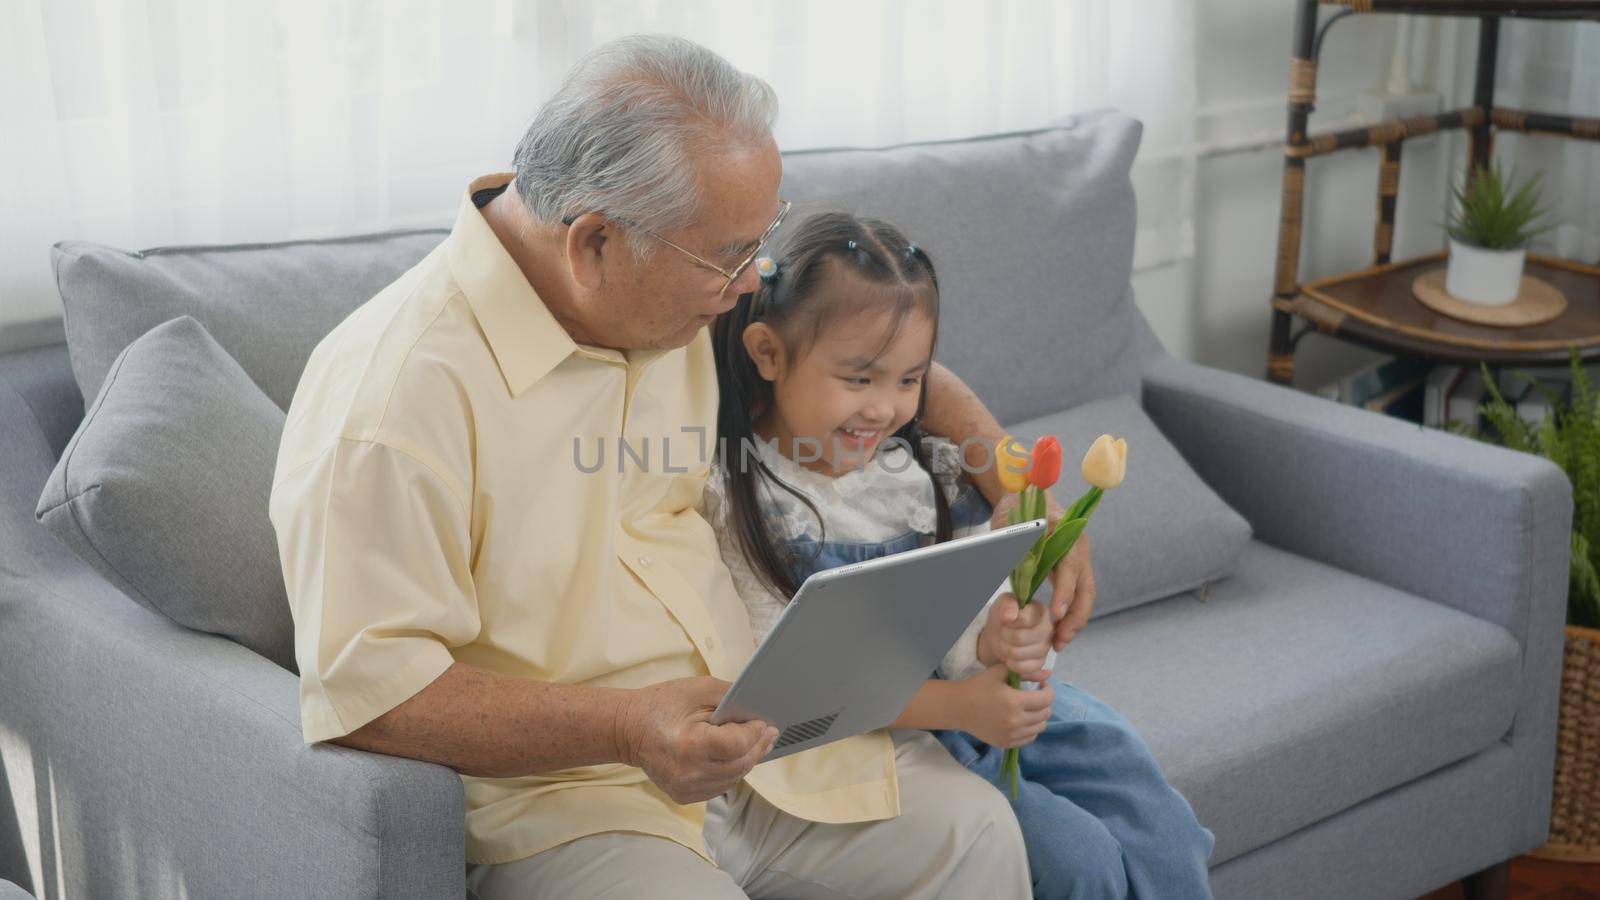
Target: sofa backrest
1032,237
268,305
40,407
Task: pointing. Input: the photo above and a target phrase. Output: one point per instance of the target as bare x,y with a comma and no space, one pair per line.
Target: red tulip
1046,464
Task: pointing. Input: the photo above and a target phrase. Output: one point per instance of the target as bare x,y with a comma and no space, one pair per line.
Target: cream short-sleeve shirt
450,487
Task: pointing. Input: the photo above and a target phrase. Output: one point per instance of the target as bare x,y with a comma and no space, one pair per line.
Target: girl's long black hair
797,308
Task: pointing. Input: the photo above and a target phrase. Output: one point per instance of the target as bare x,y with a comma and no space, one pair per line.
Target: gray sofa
1361,705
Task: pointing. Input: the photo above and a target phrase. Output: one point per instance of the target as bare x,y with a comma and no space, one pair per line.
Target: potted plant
1489,231
1570,437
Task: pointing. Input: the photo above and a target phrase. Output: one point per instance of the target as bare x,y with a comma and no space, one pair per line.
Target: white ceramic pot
1484,277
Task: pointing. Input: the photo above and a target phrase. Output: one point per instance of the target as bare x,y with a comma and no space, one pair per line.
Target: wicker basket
1575,808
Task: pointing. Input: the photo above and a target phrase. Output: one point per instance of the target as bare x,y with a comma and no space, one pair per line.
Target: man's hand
665,730
1000,715
1072,591
1072,588
1016,638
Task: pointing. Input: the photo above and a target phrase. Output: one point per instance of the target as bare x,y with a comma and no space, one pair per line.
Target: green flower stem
1030,574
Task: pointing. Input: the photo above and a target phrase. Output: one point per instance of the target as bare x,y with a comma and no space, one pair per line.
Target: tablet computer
856,642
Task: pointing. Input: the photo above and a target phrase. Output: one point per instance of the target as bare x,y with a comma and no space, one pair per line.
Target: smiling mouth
860,437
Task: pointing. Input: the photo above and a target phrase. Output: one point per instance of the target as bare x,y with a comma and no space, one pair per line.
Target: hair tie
911,250
767,269
851,244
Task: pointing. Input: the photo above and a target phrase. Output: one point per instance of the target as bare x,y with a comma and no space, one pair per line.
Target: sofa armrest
1473,526
1479,528
144,759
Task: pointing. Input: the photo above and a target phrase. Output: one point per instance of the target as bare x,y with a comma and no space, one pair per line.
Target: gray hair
622,133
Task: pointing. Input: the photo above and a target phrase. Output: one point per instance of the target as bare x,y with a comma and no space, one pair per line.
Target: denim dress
805,555
1098,816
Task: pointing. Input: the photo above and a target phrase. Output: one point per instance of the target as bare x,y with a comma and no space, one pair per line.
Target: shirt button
644,561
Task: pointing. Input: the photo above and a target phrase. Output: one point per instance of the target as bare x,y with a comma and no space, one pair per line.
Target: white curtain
1554,67
141,123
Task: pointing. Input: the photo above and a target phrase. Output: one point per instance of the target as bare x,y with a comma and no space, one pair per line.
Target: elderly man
465,594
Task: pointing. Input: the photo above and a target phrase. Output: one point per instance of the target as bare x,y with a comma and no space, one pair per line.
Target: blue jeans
1098,816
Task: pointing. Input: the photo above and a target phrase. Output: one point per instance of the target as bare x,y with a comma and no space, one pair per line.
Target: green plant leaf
1056,546
1570,438
1023,577
1495,212
1583,593
1085,505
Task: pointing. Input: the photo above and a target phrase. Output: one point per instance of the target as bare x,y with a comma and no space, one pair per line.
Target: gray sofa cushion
267,304
164,488
1037,314
1293,691
1162,531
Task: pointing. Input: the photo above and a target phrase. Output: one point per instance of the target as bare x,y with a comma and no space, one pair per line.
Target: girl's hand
1000,715
1072,587
1017,638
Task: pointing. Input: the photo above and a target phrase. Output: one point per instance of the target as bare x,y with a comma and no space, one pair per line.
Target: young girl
823,462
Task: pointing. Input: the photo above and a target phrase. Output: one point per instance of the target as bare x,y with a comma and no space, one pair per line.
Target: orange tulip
1046,466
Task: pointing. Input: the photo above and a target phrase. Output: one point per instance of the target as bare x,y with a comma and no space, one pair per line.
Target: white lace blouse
878,502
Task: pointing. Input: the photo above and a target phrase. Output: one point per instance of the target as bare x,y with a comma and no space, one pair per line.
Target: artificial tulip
1105,463
1045,467
1103,467
1011,464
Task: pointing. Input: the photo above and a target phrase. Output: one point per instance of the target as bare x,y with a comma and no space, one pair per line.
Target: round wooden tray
1537,301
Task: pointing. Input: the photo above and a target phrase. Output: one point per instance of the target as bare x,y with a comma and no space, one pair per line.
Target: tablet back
856,642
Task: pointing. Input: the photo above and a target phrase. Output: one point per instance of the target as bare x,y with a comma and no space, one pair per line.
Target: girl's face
850,391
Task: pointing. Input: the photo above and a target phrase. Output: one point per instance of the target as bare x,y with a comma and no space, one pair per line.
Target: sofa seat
1291,691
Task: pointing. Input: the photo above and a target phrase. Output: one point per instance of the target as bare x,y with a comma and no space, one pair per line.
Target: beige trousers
955,837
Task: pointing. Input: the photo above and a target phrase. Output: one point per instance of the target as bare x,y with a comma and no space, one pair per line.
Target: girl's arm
937,706
984,706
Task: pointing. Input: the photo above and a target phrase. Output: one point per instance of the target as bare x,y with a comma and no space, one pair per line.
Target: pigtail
744,395
915,266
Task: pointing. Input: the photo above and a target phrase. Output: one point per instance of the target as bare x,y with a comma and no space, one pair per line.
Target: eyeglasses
730,275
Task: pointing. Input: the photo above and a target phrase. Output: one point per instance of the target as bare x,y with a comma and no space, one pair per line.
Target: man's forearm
956,413
498,726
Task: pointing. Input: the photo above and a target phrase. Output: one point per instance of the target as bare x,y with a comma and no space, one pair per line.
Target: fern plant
1496,213
1569,437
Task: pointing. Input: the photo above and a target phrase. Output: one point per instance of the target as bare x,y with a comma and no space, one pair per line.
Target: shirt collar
526,339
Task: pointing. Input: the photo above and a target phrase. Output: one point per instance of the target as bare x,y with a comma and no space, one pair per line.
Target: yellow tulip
1106,462
1011,464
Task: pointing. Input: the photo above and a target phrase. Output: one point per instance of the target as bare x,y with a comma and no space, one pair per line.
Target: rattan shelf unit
1373,306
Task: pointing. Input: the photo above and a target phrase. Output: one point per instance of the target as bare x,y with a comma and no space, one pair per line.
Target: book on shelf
1535,398
1403,401
1442,395
1443,382
1373,379
1461,405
